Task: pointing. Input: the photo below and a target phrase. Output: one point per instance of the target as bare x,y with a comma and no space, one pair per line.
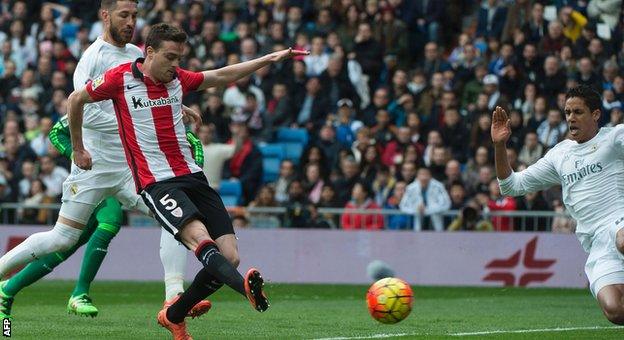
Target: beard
115,33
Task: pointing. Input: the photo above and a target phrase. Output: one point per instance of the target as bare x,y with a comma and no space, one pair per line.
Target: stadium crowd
396,96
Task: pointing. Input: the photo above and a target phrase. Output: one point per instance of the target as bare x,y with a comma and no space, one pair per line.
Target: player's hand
500,129
82,159
190,116
282,55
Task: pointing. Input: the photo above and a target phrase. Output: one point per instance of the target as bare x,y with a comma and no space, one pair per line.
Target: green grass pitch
128,311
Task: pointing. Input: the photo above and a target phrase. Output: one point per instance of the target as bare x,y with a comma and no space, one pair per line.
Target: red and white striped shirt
149,117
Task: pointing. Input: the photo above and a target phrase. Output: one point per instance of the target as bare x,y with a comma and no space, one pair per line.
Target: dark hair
109,4
163,32
590,96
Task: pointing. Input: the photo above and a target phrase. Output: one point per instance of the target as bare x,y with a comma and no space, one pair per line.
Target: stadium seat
230,201
293,152
288,135
270,169
232,190
273,150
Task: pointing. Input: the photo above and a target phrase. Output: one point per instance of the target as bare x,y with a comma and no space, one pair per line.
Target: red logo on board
535,270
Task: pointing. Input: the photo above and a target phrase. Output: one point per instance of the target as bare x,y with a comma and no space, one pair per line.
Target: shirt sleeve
538,176
618,140
105,86
190,80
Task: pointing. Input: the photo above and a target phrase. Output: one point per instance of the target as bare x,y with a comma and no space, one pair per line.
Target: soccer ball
389,300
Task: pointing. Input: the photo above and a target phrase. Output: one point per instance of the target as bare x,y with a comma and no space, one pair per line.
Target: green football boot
6,302
81,305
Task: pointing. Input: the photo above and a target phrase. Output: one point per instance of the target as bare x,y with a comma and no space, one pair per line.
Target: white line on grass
558,329
374,336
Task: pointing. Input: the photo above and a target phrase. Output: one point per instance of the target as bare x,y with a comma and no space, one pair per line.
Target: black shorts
180,200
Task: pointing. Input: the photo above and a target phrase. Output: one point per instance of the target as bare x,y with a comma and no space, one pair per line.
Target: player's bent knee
614,312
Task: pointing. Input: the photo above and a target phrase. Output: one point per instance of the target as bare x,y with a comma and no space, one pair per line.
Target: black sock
203,285
219,267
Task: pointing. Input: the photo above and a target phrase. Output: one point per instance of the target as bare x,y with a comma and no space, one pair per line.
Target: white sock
173,257
60,238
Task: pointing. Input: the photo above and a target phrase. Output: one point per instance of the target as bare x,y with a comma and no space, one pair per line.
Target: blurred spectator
605,10
480,134
40,143
531,202
518,14
37,195
215,154
536,28
426,199
553,130
264,198
616,115
370,161
573,22
562,224
28,175
52,176
286,175
346,124
397,222
433,61
383,185
313,182
336,83
361,200
470,219
234,96
458,195
329,145
517,130
497,202
298,208
318,60
452,173
532,149
240,221
246,164
491,20
349,169
368,52
311,107
553,80
455,134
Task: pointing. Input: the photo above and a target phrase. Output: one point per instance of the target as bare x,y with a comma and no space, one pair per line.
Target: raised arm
538,176
500,132
229,74
75,107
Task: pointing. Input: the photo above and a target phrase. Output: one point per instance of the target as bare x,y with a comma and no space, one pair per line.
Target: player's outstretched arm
500,132
60,138
229,74
75,110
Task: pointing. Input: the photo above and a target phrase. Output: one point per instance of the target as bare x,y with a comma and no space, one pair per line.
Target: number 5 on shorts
168,203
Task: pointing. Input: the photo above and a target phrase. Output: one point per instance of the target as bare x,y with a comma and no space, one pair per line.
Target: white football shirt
100,134
591,176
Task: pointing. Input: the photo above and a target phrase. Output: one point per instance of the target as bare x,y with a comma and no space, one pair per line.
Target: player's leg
37,270
611,299
172,253
107,216
61,237
173,257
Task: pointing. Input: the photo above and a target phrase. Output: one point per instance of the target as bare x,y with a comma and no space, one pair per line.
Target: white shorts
83,190
605,264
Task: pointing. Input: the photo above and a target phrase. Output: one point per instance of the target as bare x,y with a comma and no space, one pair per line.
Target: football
389,300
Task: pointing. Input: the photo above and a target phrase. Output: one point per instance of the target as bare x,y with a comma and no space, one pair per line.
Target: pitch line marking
520,331
558,329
